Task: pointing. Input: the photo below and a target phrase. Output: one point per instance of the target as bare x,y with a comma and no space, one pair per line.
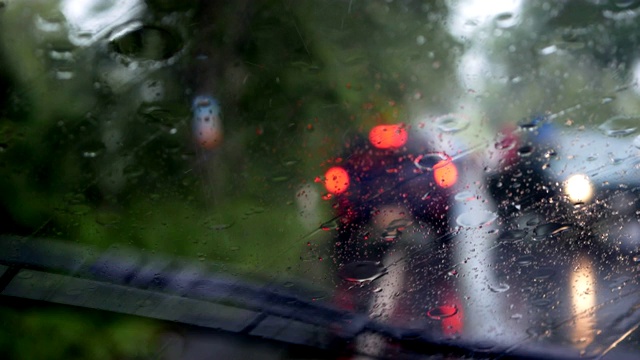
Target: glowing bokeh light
388,136
336,180
445,173
578,188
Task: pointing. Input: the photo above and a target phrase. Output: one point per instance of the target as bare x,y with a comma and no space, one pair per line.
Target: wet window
280,179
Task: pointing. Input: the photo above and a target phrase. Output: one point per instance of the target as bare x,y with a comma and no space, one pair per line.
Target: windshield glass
385,179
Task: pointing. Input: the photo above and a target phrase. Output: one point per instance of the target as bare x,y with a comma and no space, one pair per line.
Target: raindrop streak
620,126
549,229
476,218
451,123
361,271
442,312
499,288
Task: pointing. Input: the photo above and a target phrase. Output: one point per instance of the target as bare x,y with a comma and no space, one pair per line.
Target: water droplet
390,235
107,218
168,114
525,260
549,229
625,4
464,196
399,224
25,274
427,161
280,178
530,124
505,142
541,303
538,331
74,292
548,50
499,288
64,74
483,346
620,126
533,221
442,312
525,150
61,55
53,22
218,227
476,218
146,43
542,274
506,20
290,161
361,271
511,235
451,123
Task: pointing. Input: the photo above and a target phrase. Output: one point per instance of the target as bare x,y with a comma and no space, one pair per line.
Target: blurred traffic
446,177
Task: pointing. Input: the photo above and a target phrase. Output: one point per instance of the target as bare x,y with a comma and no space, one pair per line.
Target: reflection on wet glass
583,301
112,132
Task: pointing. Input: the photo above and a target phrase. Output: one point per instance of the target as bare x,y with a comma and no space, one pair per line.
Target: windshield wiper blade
152,287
